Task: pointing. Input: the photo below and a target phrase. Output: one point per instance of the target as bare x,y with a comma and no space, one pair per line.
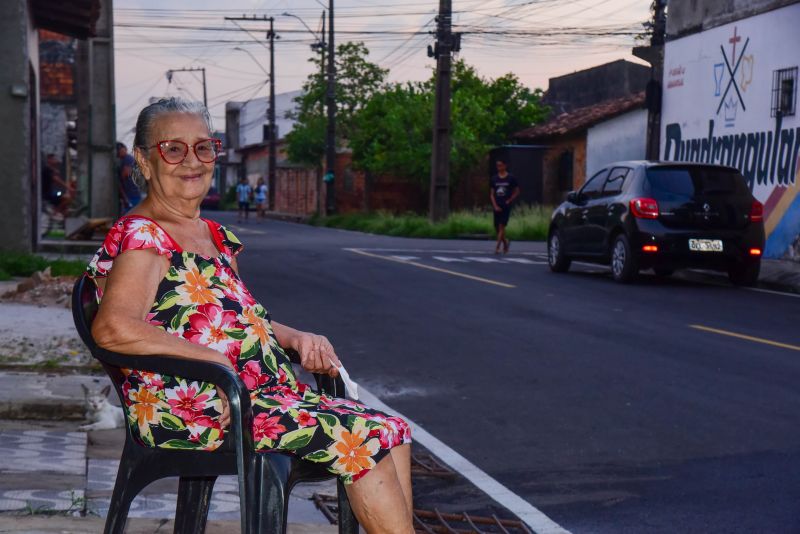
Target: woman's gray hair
147,117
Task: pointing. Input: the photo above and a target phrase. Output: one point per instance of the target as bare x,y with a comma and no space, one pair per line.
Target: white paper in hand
350,386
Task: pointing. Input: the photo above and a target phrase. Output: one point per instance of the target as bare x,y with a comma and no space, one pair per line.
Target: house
594,85
575,143
45,88
730,97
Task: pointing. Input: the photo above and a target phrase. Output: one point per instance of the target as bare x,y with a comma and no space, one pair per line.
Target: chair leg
194,499
348,524
273,497
132,477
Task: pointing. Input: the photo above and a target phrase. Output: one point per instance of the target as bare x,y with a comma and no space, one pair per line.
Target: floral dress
204,301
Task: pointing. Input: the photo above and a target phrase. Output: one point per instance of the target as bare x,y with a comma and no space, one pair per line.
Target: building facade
730,97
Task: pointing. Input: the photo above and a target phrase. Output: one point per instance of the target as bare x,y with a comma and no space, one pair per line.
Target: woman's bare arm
130,290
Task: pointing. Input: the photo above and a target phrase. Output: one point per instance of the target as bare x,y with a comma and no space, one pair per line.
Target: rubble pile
43,289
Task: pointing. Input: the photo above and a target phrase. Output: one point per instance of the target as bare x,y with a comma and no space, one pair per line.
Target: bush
527,223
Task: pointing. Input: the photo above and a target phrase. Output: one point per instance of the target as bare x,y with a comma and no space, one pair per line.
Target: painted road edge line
529,514
431,268
745,337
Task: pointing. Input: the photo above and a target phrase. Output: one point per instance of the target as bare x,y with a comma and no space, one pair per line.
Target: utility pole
654,54
271,108
194,69
439,207
330,138
271,117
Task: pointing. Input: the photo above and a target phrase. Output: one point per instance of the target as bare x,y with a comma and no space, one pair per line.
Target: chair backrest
84,309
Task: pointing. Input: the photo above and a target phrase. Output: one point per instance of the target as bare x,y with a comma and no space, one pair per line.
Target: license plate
705,245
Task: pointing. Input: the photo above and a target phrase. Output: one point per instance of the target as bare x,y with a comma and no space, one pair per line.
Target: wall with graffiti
730,97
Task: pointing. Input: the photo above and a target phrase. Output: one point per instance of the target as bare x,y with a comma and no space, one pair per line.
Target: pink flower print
151,319
304,418
252,376
150,379
233,287
281,376
199,424
185,402
394,431
267,427
207,327
143,233
286,403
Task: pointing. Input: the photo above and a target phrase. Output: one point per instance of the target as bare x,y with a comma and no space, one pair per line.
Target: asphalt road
610,408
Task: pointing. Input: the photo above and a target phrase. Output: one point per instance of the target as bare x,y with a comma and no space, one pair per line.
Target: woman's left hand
316,353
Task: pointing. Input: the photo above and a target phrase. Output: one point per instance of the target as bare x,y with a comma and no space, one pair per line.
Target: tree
357,79
392,134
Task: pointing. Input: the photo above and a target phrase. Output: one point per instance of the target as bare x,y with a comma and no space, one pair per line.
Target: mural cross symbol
732,72
733,40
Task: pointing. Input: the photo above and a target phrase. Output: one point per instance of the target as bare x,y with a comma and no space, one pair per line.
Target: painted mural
730,97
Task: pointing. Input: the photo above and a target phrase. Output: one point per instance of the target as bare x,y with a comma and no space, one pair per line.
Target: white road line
483,260
772,292
405,258
532,516
525,261
444,251
449,260
243,230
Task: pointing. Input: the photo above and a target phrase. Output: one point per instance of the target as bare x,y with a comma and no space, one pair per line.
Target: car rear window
690,181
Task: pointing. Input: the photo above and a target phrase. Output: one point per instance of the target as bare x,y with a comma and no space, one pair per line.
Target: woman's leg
378,500
401,455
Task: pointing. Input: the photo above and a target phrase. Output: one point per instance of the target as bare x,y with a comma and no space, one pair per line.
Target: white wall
254,116
617,139
702,122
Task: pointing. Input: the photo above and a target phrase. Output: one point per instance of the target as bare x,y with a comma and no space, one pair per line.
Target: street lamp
254,59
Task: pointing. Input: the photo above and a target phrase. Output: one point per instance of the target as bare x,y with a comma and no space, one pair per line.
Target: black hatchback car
637,215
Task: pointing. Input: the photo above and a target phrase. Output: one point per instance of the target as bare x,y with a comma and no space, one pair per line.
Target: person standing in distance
504,190
129,195
261,198
243,194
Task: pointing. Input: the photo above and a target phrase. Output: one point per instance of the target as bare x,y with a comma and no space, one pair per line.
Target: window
594,185
678,183
615,181
784,92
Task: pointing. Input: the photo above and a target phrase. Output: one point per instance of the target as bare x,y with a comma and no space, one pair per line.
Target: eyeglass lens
175,151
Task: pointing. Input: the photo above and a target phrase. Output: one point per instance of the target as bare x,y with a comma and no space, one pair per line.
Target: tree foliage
357,79
393,133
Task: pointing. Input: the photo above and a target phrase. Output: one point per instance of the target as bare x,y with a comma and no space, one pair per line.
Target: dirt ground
36,326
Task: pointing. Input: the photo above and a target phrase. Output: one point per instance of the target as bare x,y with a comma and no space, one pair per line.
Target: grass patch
15,264
527,223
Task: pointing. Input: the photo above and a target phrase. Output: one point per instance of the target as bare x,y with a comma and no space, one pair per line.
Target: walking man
243,194
504,190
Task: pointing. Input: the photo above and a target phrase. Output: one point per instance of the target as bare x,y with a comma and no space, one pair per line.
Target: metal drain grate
436,522
426,465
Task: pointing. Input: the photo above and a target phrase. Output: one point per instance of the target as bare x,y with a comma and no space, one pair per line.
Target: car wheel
624,264
745,274
663,272
558,261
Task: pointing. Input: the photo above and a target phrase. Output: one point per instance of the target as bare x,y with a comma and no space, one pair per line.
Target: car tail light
755,252
756,211
650,248
644,208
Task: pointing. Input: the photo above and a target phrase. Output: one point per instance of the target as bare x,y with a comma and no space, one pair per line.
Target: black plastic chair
265,479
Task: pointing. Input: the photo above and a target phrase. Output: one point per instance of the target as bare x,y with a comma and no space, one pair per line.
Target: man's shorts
501,217
244,206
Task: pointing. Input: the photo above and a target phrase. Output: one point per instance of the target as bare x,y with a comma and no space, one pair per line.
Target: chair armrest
333,387
215,373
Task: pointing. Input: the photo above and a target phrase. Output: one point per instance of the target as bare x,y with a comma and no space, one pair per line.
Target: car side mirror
572,196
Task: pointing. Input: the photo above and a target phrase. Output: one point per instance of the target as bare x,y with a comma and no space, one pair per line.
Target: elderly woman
169,284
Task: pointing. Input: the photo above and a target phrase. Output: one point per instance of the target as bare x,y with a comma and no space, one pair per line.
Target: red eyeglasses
174,152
